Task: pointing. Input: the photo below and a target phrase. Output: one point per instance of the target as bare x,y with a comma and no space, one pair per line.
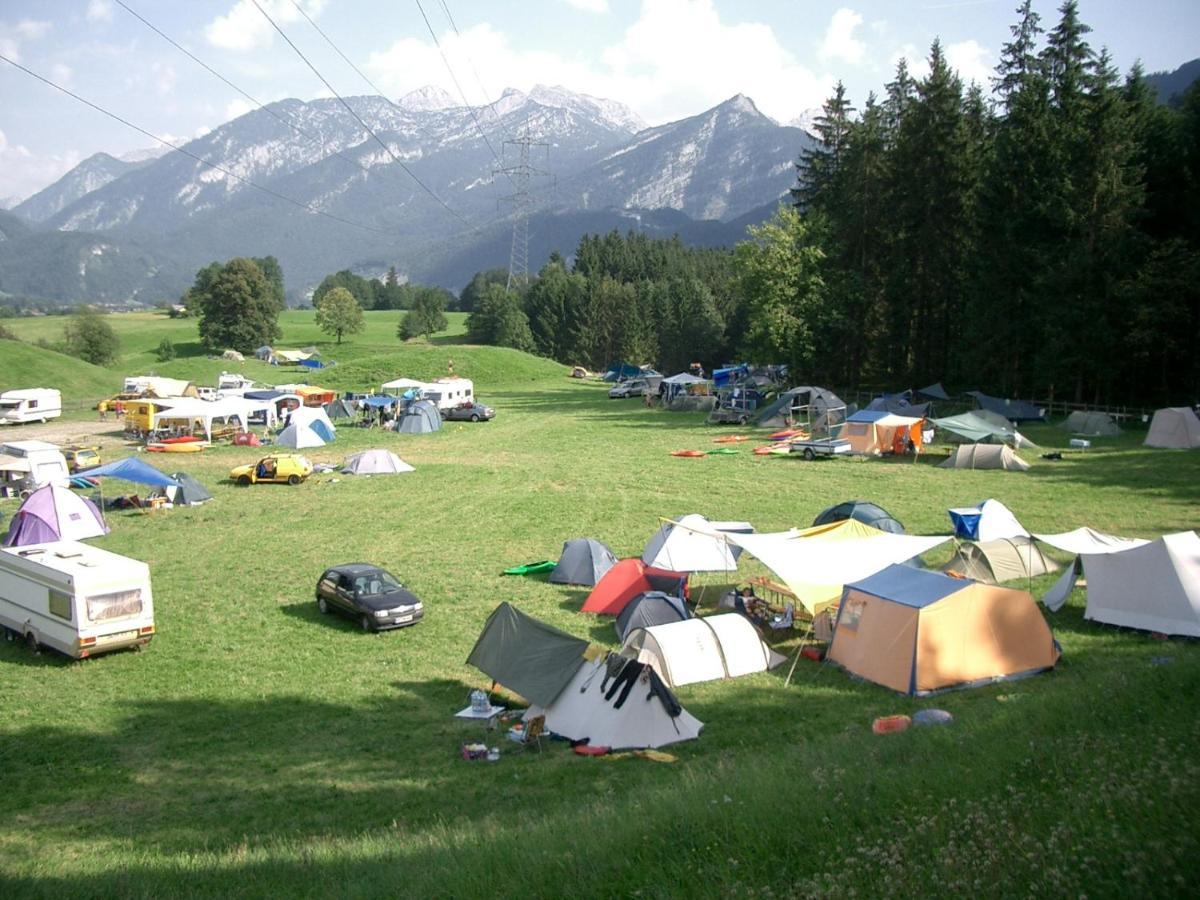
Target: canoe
190,447
182,439
688,453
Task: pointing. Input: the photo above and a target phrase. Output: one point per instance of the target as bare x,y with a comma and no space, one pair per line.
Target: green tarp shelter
526,655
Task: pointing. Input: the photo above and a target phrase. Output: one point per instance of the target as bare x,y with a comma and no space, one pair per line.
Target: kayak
721,451
190,447
183,439
688,453
731,439
786,434
531,568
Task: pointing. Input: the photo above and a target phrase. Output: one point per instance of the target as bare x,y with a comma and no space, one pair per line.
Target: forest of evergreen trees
1040,240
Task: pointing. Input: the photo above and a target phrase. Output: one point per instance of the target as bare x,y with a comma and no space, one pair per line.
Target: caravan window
60,605
117,605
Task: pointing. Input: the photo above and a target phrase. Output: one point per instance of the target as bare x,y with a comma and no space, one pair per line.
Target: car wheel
808,454
742,420
243,480
293,479
323,605
31,642
474,417
365,622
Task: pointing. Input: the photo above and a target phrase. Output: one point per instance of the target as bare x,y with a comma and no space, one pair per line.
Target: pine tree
819,164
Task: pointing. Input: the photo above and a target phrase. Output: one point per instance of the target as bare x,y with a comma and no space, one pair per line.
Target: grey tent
861,511
935,391
421,417
526,655
340,409
189,493
995,562
900,404
984,456
1100,424
1013,410
1174,428
583,561
815,407
982,426
650,608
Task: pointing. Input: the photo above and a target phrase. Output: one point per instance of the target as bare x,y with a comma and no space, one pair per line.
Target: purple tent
52,513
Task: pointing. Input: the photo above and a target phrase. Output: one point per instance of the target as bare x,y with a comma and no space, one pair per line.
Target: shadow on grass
308,612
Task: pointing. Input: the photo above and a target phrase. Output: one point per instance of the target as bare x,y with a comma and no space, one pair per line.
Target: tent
693,544
876,432
993,562
981,426
902,404
233,355
816,563
189,493
619,371
264,353
918,632
314,416
1154,586
815,408
990,520
701,649
402,384
301,436
934,391
1174,428
340,409
682,385
131,469
1080,541
583,561
1099,424
421,417
375,462
53,513
627,579
526,655
1013,410
984,456
232,409
649,609
583,710
861,511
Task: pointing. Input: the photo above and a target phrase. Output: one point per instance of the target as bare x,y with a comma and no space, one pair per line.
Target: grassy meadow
258,748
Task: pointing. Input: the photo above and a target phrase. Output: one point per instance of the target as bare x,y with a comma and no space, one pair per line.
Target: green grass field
259,749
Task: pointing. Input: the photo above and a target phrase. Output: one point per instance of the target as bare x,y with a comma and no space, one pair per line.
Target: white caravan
74,598
448,393
30,405
26,466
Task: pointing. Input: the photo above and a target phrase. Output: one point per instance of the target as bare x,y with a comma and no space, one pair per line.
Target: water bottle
479,702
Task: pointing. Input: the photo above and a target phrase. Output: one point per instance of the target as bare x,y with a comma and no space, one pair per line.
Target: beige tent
918,632
1091,423
984,456
1174,428
993,562
876,432
701,649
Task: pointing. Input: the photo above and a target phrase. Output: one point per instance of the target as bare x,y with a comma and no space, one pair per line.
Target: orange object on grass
688,453
890,724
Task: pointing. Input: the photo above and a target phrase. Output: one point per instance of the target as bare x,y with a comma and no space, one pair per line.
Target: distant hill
1172,84
25,365
94,172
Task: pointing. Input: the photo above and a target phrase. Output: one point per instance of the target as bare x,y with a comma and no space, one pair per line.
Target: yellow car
81,457
278,467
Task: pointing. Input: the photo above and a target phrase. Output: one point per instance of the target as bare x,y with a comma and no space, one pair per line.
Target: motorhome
30,405
74,598
27,465
449,393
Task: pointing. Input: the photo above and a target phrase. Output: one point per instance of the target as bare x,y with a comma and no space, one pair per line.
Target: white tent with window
701,649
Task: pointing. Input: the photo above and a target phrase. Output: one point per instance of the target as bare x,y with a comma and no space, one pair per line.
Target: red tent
626,580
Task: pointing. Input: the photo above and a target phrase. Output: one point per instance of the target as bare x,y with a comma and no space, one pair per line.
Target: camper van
449,393
76,599
27,465
30,405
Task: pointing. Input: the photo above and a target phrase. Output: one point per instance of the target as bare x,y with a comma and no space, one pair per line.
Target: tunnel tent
583,561
701,649
984,456
1091,423
526,655
994,562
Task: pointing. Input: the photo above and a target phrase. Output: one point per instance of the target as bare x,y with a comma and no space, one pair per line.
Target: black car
368,594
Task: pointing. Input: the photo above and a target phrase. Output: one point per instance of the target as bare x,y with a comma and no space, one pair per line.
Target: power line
246,181
214,72
358,118
474,71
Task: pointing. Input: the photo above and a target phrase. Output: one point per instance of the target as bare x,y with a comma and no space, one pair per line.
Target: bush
165,351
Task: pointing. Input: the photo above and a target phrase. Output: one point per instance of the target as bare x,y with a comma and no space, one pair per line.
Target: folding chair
535,729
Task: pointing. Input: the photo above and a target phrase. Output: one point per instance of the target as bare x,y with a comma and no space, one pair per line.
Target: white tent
1100,424
1080,541
984,456
701,649
235,410
580,711
693,544
306,415
299,436
1155,587
990,520
1174,428
375,462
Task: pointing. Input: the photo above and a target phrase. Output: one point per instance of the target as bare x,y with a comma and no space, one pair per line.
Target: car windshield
376,583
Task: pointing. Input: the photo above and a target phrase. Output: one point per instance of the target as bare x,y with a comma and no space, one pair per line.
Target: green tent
526,655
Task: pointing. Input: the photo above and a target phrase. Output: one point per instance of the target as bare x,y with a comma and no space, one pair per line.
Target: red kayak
186,439
689,453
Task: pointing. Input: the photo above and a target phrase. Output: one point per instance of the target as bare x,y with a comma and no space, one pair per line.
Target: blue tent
730,374
901,404
131,469
934,391
619,371
1013,410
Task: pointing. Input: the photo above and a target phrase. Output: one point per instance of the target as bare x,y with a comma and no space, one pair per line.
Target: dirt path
107,434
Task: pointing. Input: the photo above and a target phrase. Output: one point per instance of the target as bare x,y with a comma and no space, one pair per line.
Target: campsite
259,747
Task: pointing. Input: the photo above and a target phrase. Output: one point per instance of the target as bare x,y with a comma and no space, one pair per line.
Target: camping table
487,716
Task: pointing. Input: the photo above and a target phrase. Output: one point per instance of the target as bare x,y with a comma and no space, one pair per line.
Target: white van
74,598
28,465
30,405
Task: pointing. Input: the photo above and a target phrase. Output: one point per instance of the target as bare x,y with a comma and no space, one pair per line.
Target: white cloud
163,76
679,57
13,36
918,61
244,28
971,59
23,173
592,6
237,107
99,11
840,42
61,73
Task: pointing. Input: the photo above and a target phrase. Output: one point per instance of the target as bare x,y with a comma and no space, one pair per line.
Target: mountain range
426,191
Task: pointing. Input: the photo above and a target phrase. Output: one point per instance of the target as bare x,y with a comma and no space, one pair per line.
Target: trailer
30,405
75,598
26,466
811,448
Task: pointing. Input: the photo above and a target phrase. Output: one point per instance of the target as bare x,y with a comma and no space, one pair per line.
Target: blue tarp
966,522
619,371
868,415
263,395
312,364
730,374
910,587
934,391
378,401
131,469
1013,410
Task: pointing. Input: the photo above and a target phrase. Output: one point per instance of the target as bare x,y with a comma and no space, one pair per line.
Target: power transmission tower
520,175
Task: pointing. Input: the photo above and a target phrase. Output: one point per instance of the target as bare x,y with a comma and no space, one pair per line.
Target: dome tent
648,609
375,462
53,513
583,561
1174,428
1005,559
421,417
861,511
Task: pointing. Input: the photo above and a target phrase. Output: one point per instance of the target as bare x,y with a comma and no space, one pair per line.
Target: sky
664,59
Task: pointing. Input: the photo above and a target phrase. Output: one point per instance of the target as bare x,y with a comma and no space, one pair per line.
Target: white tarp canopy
1080,541
701,649
231,409
815,569
1154,587
693,544
684,378
403,384
581,711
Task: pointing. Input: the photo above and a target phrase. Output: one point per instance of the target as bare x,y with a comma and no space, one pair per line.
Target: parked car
81,457
635,387
469,412
368,594
278,467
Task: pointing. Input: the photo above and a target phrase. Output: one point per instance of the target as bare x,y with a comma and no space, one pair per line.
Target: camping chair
535,730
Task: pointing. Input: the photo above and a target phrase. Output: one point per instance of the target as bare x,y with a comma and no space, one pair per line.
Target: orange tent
316,396
627,579
875,432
